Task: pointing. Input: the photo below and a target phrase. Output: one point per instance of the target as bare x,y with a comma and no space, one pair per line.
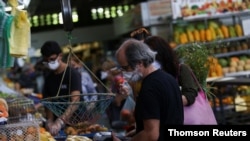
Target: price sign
245,25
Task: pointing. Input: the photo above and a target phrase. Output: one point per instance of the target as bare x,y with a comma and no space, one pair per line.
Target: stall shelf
227,114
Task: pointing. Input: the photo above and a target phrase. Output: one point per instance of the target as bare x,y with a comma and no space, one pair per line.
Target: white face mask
132,76
104,75
53,65
20,62
156,64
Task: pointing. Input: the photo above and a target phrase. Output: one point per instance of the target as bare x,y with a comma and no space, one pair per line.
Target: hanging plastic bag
20,34
129,104
5,29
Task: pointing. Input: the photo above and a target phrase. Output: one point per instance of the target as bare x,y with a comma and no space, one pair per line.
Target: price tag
245,25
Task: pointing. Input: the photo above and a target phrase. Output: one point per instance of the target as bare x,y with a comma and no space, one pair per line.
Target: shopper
139,34
167,60
27,79
159,101
116,82
71,84
88,86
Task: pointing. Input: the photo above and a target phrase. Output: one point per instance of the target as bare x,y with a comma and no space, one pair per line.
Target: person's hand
56,126
48,124
124,90
114,137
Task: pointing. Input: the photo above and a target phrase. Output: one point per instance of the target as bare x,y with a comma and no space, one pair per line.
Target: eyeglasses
51,60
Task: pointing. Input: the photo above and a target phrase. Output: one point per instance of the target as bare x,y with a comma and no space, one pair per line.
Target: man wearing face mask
159,101
61,80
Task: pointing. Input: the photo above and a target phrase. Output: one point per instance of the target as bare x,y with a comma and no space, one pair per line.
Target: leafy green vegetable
5,95
196,55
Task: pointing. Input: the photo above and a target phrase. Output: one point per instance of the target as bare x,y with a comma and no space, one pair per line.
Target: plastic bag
129,104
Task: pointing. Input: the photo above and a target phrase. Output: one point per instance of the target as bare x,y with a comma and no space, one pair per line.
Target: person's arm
72,107
189,88
49,119
150,131
76,87
56,126
184,100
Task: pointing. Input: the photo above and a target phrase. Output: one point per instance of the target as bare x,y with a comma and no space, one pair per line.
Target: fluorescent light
8,8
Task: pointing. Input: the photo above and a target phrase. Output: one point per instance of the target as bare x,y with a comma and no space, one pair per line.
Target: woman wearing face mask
167,60
124,94
61,80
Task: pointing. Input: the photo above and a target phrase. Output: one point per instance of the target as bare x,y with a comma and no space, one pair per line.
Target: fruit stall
220,27
24,122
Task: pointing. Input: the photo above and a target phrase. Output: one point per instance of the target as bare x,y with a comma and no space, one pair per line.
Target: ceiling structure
38,7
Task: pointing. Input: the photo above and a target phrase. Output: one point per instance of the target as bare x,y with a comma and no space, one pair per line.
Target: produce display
219,67
228,99
232,47
28,131
77,138
198,32
6,95
84,128
197,25
215,69
204,8
236,64
45,135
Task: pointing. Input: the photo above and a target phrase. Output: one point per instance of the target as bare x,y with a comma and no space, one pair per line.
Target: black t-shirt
159,98
71,82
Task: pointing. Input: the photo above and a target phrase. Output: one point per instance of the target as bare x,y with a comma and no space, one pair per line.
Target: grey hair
138,52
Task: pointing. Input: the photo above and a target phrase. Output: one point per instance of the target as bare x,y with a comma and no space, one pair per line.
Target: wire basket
20,109
80,111
24,131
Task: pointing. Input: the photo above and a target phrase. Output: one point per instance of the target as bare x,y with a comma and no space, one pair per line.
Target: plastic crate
25,131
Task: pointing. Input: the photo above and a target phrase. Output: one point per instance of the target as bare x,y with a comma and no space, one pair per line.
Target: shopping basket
81,110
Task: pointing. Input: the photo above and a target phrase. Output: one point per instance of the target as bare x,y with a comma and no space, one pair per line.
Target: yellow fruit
208,35
225,31
196,36
202,35
183,38
219,33
238,30
213,34
190,36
